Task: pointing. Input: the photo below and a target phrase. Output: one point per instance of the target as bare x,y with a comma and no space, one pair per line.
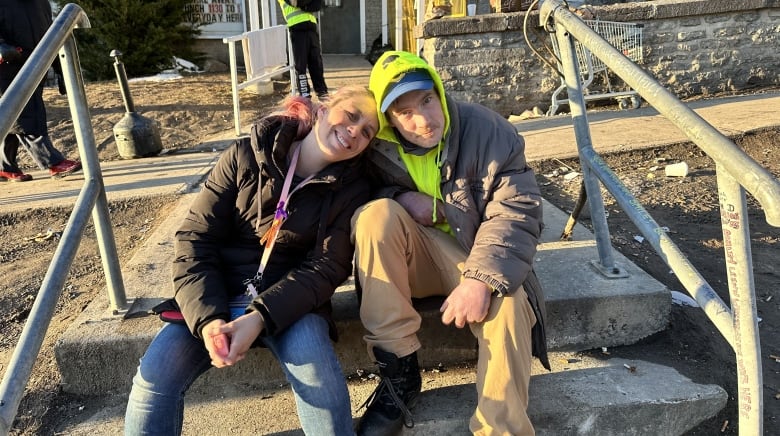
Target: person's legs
32,131
300,49
41,150
316,67
312,368
172,362
504,367
397,259
10,171
8,154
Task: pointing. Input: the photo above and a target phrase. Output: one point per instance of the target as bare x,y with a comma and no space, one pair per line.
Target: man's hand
420,207
216,342
469,302
242,333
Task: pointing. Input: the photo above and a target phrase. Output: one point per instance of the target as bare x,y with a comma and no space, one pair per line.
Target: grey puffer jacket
492,202
218,247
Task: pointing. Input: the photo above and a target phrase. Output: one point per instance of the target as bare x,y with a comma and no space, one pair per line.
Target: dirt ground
196,109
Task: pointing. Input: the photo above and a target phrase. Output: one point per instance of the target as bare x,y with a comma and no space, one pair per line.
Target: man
307,53
459,216
22,25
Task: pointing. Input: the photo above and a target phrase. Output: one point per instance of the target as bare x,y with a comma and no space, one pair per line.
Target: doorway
340,27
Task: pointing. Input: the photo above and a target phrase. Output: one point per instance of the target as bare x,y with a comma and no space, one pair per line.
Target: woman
276,207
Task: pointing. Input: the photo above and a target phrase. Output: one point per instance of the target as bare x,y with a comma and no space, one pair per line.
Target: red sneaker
64,168
12,176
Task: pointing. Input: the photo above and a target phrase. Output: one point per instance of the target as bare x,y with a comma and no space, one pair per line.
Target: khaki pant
397,259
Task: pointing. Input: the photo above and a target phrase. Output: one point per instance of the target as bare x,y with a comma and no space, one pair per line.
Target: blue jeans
175,359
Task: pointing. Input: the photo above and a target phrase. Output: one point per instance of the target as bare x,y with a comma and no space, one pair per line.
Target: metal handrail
736,173
59,38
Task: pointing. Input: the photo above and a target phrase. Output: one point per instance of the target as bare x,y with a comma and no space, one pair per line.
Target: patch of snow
161,77
185,65
681,299
174,73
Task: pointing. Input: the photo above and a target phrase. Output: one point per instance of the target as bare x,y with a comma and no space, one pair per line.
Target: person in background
459,215
307,53
22,25
272,221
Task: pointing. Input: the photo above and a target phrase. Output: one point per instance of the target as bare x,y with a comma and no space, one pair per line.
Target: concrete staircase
99,353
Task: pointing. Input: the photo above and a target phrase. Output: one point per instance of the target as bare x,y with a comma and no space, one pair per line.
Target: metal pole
705,296
756,179
739,270
121,75
606,264
717,311
234,85
41,313
82,125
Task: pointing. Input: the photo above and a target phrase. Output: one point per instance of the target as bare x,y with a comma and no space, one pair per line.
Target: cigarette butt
724,426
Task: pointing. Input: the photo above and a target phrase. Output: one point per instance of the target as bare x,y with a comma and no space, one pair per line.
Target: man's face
418,117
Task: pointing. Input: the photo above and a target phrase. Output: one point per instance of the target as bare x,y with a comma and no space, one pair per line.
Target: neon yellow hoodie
424,169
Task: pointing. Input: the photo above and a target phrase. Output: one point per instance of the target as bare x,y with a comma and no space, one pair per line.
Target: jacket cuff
269,328
199,328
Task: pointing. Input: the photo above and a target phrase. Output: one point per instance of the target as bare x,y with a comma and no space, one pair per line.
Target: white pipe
385,29
399,28
254,14
266,13
363,47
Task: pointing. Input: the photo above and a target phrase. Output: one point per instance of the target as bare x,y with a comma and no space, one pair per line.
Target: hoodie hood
388,70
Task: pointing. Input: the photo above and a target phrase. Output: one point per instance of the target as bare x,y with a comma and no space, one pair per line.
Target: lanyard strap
269,237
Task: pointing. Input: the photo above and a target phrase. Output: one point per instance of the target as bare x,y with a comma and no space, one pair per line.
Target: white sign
216,18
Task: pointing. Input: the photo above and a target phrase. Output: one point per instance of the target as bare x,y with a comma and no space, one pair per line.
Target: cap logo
388,60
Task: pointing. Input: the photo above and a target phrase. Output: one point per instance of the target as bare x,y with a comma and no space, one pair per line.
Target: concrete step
100,351
582,396
98,355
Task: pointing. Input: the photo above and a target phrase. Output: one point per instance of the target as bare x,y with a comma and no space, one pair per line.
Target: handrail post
737,173
739,270
92,197
755,178
606,264
85,137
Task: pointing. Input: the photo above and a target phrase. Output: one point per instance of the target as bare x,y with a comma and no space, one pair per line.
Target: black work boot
388,406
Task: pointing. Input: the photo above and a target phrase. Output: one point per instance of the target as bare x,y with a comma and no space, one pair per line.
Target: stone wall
692,47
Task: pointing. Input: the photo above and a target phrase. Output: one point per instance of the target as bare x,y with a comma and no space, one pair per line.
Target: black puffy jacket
218,247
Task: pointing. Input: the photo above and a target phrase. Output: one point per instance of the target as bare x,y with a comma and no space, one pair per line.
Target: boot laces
385,394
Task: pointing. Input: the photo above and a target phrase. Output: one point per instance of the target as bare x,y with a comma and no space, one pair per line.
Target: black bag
169,311
306,5
377,49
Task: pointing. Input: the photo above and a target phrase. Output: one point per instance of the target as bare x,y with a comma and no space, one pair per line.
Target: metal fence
92,198
736,173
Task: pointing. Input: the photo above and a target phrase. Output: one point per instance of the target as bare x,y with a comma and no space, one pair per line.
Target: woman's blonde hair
304,109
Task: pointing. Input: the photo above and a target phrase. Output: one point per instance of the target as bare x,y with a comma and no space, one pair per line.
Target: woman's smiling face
346,127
